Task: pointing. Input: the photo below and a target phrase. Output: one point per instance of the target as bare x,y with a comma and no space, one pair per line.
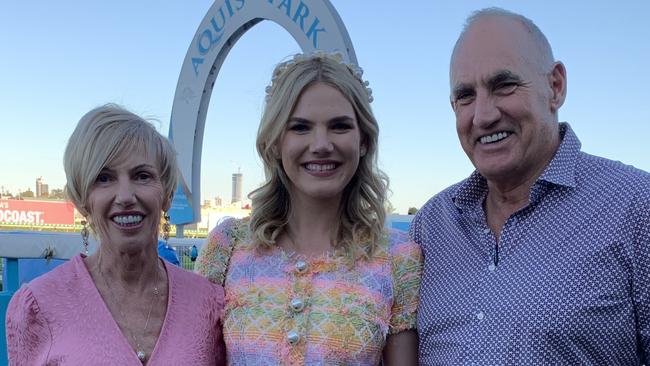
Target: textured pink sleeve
28,334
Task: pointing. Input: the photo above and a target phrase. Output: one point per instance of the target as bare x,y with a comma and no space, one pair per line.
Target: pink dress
61,319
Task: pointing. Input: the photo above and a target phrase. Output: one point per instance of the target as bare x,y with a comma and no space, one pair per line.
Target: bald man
542,255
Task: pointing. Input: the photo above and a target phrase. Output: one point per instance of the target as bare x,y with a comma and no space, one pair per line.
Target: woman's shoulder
215,254
226,233
60,280
228,230
403,252
55,288
224,237
396,241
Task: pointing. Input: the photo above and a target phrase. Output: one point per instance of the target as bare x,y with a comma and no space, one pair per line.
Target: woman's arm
401,349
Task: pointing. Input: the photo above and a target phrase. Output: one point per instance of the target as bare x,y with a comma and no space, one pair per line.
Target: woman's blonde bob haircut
362,208
105,135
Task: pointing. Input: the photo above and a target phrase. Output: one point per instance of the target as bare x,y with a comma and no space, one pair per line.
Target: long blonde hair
362,208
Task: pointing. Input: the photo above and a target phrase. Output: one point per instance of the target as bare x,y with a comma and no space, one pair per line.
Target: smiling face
321,145
505,100
125,203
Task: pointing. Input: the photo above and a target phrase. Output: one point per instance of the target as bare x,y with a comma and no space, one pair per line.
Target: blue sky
60,59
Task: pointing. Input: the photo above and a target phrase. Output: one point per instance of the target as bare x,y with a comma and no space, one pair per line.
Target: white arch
314,24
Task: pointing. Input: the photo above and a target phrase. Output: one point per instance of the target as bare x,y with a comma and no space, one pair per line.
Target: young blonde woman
313,277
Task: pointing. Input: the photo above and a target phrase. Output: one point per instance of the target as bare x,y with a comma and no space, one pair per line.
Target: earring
84,236
165,227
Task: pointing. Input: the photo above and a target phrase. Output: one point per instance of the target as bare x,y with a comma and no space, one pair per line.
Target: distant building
211,217
237,179
218,201
42,189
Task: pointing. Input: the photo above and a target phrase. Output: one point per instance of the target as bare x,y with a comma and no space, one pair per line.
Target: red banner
36,212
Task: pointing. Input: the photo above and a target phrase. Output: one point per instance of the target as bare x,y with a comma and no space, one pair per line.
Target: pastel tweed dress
285,309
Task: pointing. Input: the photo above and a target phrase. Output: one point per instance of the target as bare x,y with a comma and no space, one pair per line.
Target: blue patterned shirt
572,283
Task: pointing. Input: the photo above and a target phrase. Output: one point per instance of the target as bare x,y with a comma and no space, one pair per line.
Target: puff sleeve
406,260
29,336
212,262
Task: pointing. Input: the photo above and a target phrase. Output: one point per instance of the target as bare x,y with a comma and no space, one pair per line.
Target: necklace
142,356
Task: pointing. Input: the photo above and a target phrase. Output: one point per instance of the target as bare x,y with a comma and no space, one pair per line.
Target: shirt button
301,266
293,337
480,315
486,231
492,267
297,305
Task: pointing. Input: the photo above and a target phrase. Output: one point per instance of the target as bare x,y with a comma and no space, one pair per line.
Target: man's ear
558,83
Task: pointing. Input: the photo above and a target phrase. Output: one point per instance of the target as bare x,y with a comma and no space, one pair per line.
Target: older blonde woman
122,305
313,277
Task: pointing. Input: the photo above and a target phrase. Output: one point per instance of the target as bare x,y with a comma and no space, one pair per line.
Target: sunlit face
125,203
501,95
321,145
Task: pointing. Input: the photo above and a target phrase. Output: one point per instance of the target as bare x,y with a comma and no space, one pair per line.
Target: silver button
301,266
486,231
480,315
297,305
492,267
293,337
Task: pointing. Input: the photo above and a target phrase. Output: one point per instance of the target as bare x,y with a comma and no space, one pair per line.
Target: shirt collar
560,171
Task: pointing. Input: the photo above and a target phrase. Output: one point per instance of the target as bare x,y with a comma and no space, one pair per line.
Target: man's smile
495,137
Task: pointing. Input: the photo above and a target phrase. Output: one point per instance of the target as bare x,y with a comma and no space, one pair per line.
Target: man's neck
510,193
504,198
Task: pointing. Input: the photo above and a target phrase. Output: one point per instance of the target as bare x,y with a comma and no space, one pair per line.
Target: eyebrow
341,119
137,167
495,79
331,120
501,76
141,166
461,89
